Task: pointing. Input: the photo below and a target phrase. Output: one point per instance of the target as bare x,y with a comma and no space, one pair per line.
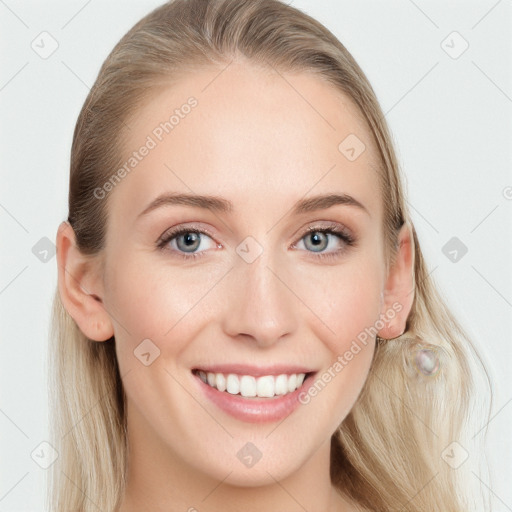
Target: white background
451,119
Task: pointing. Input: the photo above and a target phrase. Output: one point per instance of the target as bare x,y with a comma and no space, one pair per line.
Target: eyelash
333,229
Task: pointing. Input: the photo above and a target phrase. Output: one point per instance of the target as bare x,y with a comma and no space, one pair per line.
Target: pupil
316,239
188,240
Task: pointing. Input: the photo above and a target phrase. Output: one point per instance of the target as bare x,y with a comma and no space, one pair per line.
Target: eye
319,239
186,242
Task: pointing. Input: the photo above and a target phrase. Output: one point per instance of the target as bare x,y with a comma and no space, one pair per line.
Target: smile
249,386
252,394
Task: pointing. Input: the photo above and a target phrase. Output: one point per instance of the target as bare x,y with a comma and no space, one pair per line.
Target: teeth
281,385
249,386
232,384
265,386
221,382
292,383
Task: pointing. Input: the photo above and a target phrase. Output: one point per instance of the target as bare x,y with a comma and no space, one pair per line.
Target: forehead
259,137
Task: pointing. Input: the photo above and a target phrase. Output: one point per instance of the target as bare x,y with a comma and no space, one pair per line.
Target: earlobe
80,288
398,294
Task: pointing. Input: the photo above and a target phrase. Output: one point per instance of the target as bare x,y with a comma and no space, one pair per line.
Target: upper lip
255,371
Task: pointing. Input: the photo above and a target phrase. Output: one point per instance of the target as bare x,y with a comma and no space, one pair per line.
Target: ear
80,286
398,293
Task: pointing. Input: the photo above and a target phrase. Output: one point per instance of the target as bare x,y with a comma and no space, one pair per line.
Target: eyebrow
219,204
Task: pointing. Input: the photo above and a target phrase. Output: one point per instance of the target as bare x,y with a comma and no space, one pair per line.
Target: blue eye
191,240
319,238
186,242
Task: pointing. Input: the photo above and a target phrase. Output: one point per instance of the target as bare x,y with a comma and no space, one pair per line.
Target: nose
261,307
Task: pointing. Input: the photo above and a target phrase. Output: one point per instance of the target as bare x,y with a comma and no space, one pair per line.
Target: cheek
347,305
158,302
345,300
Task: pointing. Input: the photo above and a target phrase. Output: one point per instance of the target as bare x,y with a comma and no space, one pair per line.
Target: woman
244,319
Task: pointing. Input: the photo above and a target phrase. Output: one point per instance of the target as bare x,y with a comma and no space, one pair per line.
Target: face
248,286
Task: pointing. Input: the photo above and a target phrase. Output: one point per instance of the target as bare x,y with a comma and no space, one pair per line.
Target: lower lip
255,410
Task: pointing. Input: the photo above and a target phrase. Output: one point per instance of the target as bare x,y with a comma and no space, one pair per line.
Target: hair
386,453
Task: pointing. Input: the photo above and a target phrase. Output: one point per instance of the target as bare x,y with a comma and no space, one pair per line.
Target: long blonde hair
386,455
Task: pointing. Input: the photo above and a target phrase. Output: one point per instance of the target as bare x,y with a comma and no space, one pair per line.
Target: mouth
270,386
254,394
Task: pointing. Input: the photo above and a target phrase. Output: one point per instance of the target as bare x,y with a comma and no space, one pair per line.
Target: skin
252,139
